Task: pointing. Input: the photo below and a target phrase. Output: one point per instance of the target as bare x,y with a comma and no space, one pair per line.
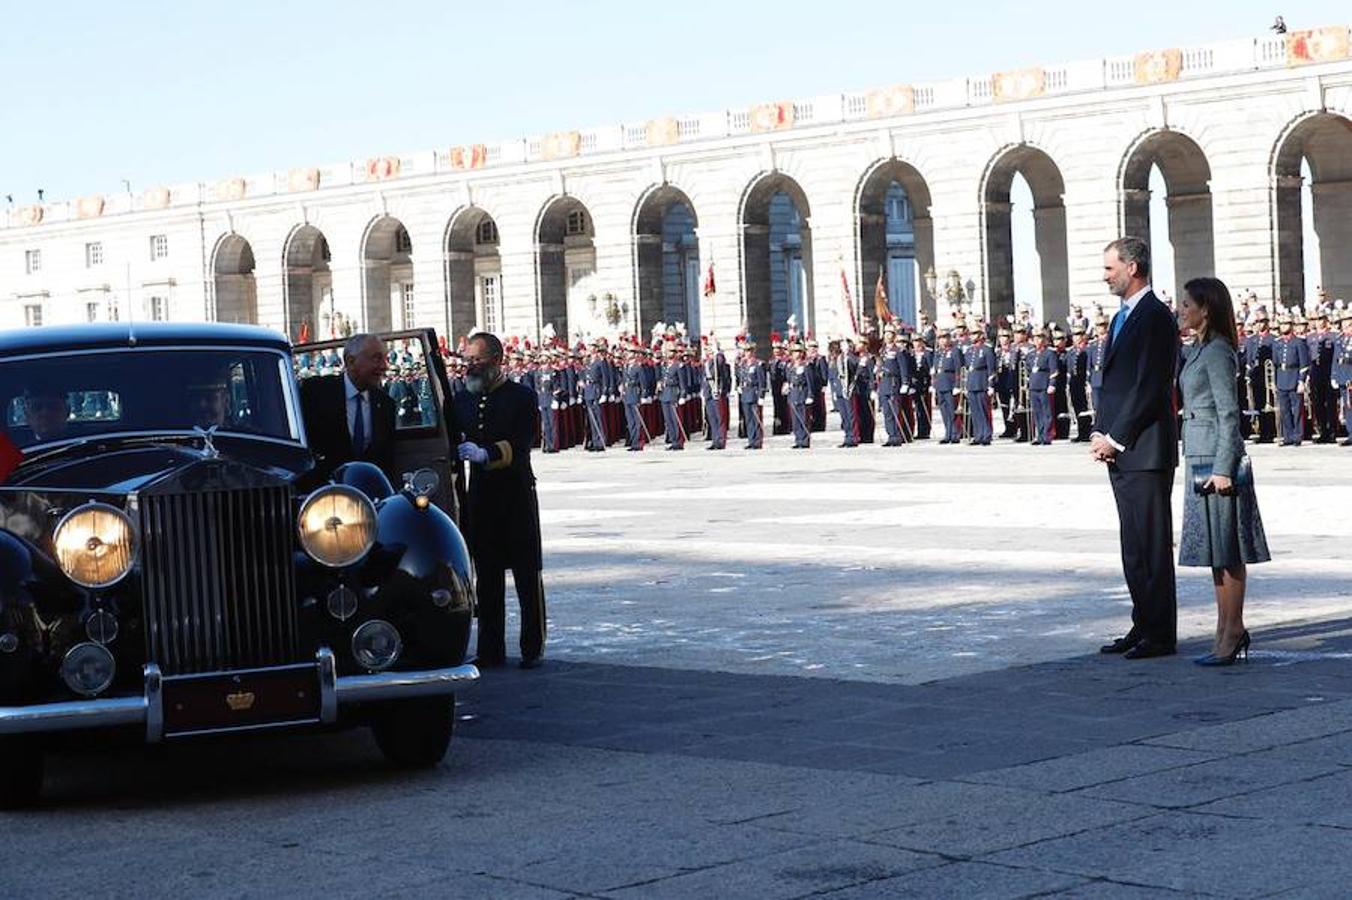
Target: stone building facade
797,205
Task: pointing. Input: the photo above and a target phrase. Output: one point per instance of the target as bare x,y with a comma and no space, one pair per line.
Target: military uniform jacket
890,372
1257,350
1342,360
751,381
1291,356
1042,366
1098,347
633,383
1077,364
594,381
1320,345
840,375
980,367
502,514
802,382
671,383
922,371
947,364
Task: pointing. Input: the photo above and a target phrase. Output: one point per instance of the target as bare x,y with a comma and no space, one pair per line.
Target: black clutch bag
1201,473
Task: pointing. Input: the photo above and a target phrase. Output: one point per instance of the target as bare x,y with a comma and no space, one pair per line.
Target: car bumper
147,711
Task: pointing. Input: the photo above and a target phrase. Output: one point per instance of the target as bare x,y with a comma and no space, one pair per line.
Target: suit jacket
1136,401
1211,406
323,404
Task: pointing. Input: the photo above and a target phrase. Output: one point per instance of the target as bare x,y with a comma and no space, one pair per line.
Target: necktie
358,427
1120,320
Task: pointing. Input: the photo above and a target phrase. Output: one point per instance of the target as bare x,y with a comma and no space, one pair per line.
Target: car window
82,406
66,396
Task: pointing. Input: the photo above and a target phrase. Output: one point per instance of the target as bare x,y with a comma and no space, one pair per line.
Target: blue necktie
358,428
1120,320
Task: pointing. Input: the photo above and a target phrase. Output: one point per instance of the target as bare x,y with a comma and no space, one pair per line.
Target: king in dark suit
1136,434
349,417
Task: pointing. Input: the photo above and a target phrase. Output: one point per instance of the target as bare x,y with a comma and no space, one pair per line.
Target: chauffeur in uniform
494,421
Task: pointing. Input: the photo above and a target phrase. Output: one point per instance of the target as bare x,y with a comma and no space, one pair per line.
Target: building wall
1236,115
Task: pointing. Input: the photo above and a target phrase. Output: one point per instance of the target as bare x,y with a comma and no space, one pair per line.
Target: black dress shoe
490,662
1121,645
1148,649
531,662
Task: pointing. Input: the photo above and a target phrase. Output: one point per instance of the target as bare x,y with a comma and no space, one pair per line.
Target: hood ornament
208,436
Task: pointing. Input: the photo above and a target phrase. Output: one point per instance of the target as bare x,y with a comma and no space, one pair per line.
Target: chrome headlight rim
88,647
376,625
328,491
133,536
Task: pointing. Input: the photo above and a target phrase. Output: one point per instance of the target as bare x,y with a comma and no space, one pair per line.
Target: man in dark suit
349,417
1136,434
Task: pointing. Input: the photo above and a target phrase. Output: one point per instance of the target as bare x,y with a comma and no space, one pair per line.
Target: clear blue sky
185,91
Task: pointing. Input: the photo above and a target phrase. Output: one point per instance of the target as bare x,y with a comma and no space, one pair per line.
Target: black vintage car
167,569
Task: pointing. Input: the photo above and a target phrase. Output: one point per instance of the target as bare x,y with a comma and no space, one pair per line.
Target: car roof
65,338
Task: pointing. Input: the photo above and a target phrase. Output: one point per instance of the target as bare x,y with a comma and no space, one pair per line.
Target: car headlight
88,669
95,545
337,525
376,645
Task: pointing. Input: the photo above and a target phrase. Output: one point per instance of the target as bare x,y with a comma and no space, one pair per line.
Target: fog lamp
101,626
376,645
337,525
88,669
342,603
95,545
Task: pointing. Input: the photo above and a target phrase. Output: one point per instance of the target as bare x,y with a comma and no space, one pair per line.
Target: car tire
21,772
415,734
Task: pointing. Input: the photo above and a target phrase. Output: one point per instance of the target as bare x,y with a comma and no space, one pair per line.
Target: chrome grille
218,582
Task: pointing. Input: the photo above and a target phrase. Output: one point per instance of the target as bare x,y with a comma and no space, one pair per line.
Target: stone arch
1049,215
308,284
1187,180
565,267
1323,141
387,276
896,236
473,274
775,216
234,290
666,260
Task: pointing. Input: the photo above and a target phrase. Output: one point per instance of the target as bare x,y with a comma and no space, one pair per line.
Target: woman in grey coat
1222,529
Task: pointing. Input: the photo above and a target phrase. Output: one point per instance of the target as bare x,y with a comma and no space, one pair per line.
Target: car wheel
414,734
21,771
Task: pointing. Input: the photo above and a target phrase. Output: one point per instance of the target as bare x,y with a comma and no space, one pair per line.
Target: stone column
1192,236
1245,252
429,288
1333,225
1092,220
1049,230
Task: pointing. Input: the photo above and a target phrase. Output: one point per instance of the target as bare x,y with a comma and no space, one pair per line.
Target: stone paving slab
1199,853
961,880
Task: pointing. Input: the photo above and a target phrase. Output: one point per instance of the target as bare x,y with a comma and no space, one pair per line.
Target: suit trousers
530,594
1292,423
1147,536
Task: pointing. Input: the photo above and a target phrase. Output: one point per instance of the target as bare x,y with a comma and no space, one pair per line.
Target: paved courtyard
830,673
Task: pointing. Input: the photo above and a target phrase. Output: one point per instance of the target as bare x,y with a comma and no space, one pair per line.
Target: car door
416,381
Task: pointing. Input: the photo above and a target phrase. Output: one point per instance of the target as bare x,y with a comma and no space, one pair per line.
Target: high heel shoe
1241,648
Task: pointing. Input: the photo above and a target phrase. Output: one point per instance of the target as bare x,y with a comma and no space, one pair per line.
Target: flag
304,336
848,300
880,301
709,287
10,456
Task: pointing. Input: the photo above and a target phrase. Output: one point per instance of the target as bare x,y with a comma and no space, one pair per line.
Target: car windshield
74,396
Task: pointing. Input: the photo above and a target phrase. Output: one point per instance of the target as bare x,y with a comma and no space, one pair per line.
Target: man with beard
494,421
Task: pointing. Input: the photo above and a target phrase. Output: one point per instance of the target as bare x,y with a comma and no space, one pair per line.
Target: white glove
1051,390
554,405
472,452
1300,388
808,401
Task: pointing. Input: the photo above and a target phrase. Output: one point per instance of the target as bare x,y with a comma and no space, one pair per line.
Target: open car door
416,381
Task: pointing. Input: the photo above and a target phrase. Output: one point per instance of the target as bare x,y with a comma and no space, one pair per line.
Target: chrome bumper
148,709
